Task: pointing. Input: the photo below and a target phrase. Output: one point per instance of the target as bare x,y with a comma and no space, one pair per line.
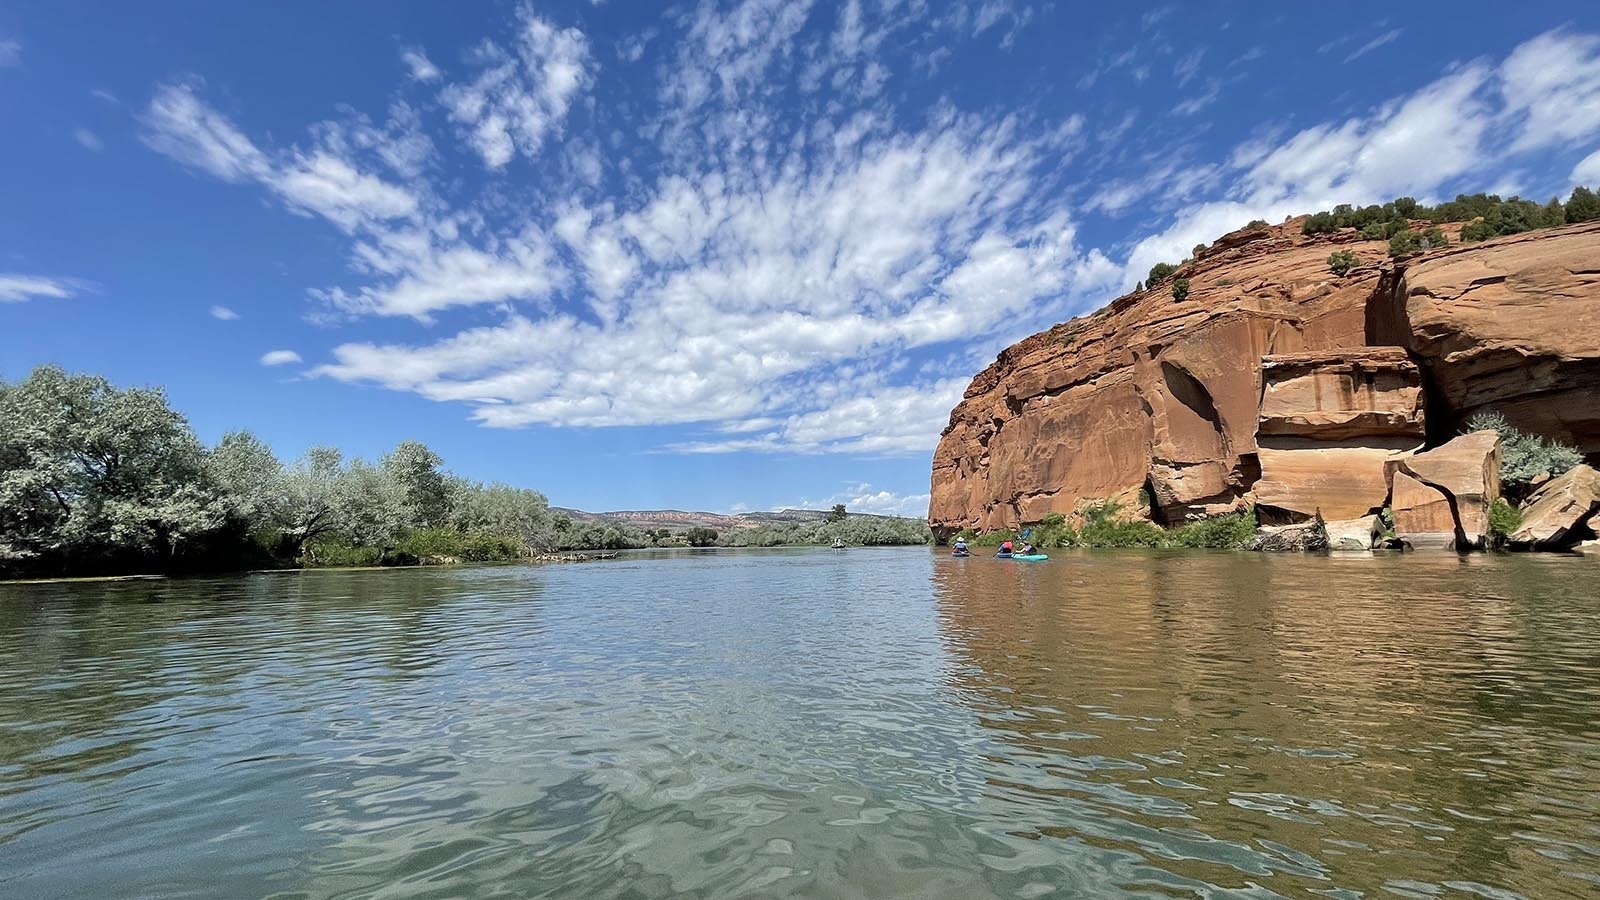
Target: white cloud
727,52
223,313
15,288
327,185
182,127
106,96
88,139
1410,146
730,295
1387,37
321,181
10,54
418,64
1587,171
1551,89
892,421
1199,102
279,358
769,279
1472,123
521,97
1153,18
865,498
1189,66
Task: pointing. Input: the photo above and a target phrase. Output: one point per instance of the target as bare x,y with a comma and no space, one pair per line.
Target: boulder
1328,423
1588,548
1300,537
1560,511
1422,516
1354,534
1441,497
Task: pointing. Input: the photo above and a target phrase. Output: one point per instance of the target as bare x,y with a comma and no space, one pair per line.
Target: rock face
1328,422
1160,399
1560,512
1441,498
1148,393
1514,325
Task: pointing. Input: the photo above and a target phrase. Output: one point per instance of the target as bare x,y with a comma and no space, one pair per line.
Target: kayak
1031,557
960,555
1002,556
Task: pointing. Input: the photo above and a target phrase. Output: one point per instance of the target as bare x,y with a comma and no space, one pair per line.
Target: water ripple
871,724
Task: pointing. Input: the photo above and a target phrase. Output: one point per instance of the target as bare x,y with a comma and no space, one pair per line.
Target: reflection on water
870,724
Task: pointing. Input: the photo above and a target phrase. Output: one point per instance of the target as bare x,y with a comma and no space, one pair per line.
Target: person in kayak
961,546
1005,548
1027,549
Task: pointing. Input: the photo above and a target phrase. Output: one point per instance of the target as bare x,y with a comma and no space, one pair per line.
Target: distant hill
681,519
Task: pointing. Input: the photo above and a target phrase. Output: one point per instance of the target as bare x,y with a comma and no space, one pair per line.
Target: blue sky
713,255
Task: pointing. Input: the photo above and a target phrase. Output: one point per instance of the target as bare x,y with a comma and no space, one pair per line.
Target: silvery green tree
250,476
502,509
87,470
305,505
372,508
414,470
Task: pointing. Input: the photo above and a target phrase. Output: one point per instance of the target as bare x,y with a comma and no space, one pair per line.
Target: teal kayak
1032,557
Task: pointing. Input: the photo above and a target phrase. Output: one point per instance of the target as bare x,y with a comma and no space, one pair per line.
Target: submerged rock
1560,512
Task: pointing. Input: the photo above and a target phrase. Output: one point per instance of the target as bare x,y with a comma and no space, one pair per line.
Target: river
865,724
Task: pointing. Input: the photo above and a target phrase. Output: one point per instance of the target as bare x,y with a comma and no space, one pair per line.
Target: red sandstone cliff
1163,398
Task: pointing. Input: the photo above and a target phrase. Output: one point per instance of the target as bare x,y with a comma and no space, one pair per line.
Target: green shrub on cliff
1340,262
1433,237
1524,457
1404,244
1160,272
1487,215
1582,206
1180,289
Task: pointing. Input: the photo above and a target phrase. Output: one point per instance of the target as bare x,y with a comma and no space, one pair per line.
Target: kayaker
1027,549
1005,546
961,546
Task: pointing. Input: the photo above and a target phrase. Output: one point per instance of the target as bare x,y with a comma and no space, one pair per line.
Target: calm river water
872,724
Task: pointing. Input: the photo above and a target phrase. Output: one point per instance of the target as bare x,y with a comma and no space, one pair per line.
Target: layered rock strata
1514,325
1328,423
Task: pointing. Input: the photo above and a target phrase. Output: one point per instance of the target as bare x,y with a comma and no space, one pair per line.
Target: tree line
1486,215
96,479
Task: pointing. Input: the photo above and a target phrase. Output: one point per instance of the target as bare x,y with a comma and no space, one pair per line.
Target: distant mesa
677,518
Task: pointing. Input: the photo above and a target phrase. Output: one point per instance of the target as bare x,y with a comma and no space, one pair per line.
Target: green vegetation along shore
101,480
